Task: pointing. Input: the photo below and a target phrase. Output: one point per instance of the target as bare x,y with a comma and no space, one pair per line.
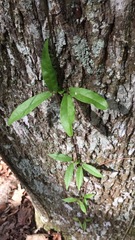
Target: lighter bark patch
82,53
119,6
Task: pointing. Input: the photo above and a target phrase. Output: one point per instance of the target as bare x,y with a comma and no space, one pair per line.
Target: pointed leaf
70,200
48,72
84,225
28,106
85,201
76,219
60,157
82,206
89,195
79,177
92,170
76,163
87,220
81,225
69,175
88,96
67,114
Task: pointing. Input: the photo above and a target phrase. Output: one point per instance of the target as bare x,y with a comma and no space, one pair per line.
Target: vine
67,109
75,165
67,118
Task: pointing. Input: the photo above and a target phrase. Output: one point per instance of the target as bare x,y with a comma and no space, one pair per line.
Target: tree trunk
94,45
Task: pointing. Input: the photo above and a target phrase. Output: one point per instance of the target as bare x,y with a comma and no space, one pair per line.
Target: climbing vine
67,118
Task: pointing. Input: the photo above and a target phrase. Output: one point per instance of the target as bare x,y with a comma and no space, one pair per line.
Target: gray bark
95,49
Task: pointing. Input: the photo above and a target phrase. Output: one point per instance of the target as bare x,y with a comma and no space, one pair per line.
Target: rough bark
94,43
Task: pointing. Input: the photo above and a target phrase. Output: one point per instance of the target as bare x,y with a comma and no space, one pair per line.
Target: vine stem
111,160
129,227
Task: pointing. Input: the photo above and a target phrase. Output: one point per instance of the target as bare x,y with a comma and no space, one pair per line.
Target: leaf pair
88,168
83,224
67,109
50,78
70,168
81,202
79,171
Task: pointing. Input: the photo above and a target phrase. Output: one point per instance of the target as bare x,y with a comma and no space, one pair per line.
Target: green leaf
76,163
92,170
88,220
69,175
82,206
61,92
89,195
28,106
84,225
81,225
48,72
70,200
67,114
85,201
88,96
79,177
60,157
76,219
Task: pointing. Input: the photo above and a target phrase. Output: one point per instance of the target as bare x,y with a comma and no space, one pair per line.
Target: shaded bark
94,44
